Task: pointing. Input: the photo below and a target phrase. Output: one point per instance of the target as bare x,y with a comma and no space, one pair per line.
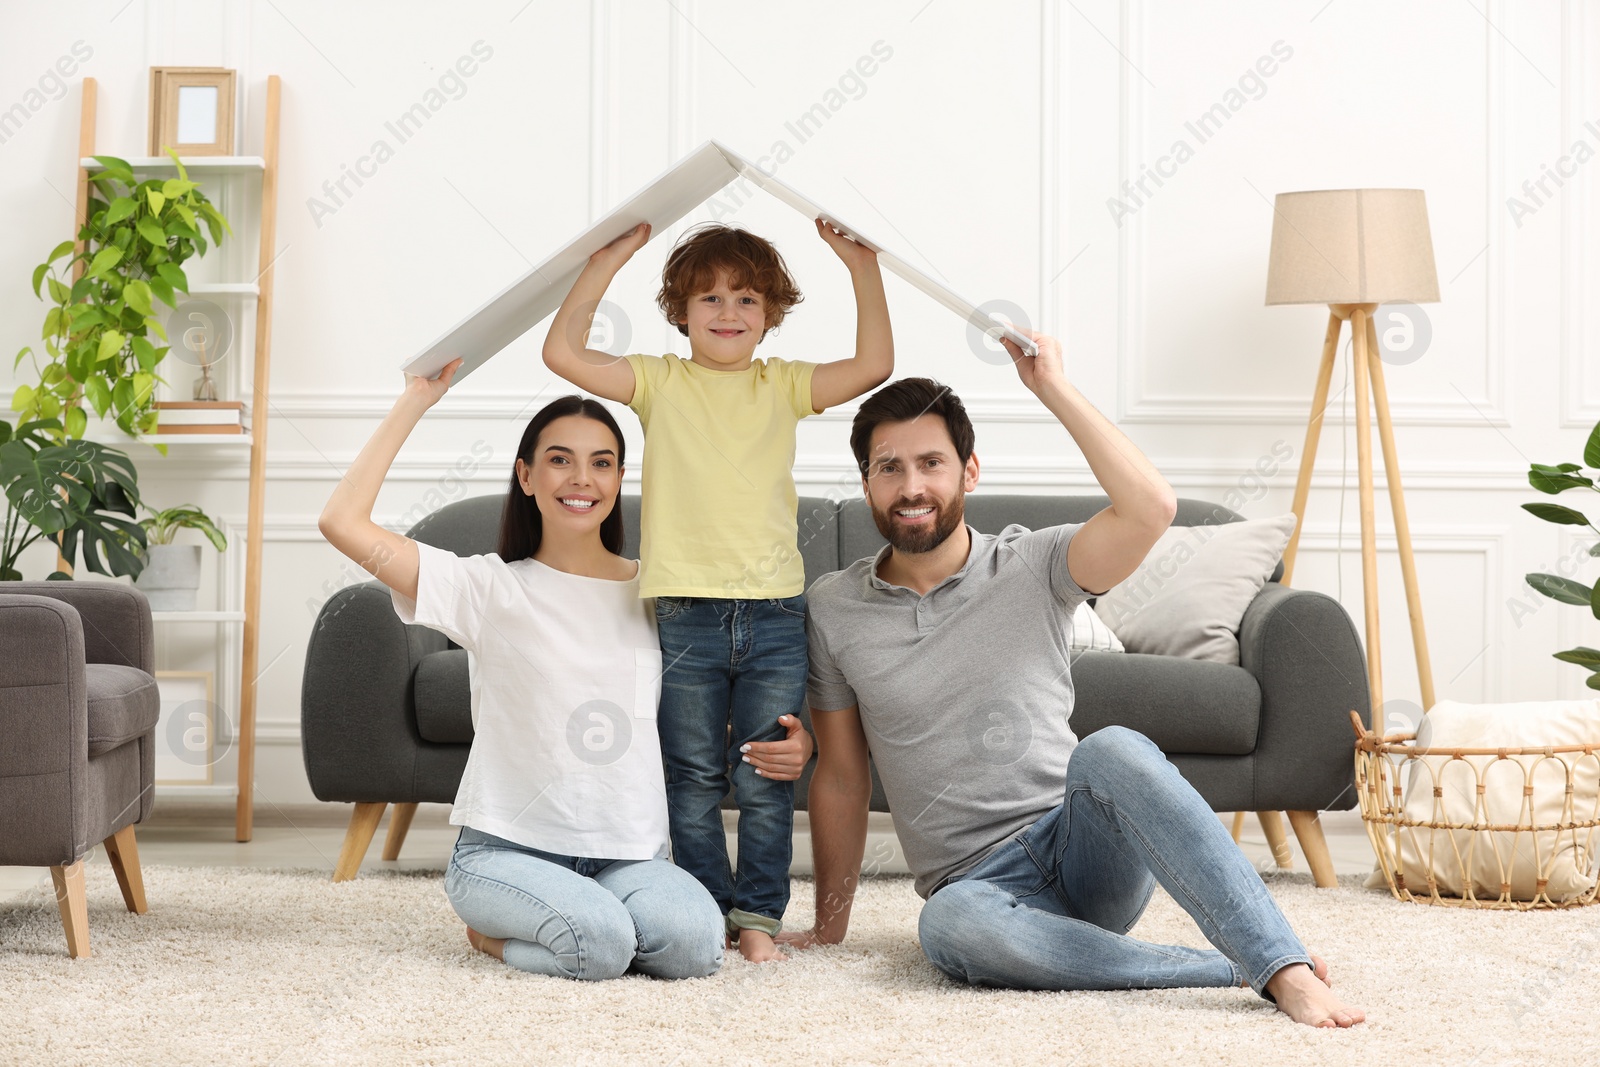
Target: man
946,658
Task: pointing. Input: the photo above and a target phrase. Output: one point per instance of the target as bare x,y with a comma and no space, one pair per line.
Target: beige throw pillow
1189,595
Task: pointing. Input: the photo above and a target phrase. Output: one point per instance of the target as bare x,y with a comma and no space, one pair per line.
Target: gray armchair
78,711
386,719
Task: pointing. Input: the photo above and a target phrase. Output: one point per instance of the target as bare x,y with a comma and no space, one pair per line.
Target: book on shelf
200,416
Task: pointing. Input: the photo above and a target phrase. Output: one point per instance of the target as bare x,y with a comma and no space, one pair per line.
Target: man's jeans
1051,908
744,662
573,917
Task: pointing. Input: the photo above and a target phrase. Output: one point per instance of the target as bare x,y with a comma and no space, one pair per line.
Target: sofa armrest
44,720
1303,650
117,627
358,714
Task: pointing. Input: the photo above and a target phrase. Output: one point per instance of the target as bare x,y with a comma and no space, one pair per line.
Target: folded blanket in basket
1518,791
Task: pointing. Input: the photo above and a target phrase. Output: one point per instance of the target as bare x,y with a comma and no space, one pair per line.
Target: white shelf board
197,616
224,288
231,439
235,164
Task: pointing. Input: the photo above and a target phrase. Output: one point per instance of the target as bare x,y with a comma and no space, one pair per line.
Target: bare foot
492,946
1303,996
1319,968
758,947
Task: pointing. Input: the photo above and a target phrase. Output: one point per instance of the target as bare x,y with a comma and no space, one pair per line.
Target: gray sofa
78,713
385,715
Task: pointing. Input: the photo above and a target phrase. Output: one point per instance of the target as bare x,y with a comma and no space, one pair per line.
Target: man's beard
918,539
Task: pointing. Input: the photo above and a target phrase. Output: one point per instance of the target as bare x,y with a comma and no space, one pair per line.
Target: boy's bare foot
1305,997
492,946
758,947
1319,967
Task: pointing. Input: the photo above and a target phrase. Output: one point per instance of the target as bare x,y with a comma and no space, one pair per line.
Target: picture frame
191,110
185,730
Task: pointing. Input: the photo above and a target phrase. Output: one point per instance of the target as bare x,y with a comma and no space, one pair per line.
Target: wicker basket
1519,851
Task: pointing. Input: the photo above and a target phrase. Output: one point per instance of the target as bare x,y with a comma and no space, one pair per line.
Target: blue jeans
573,917
741,662
1051,908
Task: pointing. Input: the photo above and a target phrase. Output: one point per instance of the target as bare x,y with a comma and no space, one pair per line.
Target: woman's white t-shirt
566,677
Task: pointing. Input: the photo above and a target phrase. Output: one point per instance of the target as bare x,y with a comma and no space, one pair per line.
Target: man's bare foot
758,947
1304,996
492,946
1319,968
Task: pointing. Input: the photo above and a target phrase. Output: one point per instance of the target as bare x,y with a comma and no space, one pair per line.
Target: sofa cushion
444,698
124,703
1185,706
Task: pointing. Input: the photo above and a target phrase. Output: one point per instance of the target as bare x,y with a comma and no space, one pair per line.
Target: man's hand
618,252
855,255
781,760
1036,371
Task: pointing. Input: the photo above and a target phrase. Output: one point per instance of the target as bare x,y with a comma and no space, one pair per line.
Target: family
614,701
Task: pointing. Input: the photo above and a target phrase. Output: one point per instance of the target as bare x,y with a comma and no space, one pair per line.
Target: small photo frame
185,730
191,110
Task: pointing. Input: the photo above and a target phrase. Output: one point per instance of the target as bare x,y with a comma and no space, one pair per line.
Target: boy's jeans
744,662
1051,908
573,917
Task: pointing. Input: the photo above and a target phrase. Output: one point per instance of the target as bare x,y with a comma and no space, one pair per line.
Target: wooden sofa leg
74,907
1308,829
363,824
123,851
399,823
1272,826
1238,826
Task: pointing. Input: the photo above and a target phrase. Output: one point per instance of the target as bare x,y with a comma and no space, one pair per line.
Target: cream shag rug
236,966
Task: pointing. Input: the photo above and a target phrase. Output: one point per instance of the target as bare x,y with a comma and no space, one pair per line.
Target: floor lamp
1354,249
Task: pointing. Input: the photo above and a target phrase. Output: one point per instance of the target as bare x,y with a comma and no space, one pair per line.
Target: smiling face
916,485
725,325
574,476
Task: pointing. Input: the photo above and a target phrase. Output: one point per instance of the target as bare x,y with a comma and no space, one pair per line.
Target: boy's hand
783,760
429,390
854,255
618,252
1036,371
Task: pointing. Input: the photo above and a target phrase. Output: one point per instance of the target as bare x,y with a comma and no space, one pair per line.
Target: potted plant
1554,480
171,575
135,239
67,490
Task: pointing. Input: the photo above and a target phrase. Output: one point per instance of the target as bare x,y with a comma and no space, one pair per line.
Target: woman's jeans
573,917
741,662
1051,908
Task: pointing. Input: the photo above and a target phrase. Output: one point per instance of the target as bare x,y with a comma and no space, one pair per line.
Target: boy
718,532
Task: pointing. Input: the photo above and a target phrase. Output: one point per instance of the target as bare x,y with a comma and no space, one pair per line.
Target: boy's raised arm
565,353
846,379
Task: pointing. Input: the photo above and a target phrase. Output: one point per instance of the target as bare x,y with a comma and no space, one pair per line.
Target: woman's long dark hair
521,524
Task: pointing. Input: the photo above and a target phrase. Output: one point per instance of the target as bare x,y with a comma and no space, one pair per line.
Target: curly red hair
751,262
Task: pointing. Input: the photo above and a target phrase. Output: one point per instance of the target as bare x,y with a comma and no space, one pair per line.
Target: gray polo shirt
964,693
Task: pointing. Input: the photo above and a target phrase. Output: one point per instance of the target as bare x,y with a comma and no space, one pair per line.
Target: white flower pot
171,577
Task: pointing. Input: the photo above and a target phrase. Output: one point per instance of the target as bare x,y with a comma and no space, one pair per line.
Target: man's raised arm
1113,543
841,789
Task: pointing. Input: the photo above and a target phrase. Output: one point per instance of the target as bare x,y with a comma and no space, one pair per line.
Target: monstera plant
1554,480
71,492
132,246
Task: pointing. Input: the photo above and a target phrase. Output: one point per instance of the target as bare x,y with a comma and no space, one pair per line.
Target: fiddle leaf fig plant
97,347
1555,480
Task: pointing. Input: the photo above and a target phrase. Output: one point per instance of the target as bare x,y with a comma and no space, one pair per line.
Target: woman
560,868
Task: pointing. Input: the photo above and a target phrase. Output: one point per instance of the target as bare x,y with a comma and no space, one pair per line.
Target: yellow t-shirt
718,509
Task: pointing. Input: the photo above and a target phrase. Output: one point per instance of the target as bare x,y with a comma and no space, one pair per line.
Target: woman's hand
618,252
854,255
781,760
429,390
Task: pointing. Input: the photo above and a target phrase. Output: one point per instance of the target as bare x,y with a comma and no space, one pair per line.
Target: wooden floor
187,833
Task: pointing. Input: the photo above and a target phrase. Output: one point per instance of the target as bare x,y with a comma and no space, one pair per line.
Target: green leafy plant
68,491
1555,480
162,526
134,240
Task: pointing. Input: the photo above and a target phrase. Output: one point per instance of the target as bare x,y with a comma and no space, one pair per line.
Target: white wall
985,145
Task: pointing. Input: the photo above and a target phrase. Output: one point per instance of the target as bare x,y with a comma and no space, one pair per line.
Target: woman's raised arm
346,521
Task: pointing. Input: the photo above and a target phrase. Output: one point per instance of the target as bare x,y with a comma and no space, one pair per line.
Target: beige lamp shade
1351,246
